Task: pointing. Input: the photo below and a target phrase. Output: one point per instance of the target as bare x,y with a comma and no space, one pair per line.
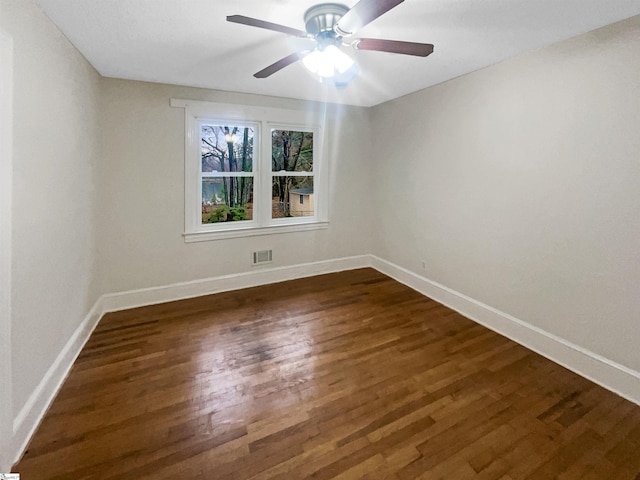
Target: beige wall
54,159
142,191
98,198
516,185
519,186
6,188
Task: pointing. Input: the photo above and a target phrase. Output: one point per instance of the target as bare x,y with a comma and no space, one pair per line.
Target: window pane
228,199
292,197
226,148
291,151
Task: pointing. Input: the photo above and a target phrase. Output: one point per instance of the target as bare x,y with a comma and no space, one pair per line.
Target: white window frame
263,119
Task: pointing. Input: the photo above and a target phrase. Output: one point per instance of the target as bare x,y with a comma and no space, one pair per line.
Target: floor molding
256,277
611,375
32,413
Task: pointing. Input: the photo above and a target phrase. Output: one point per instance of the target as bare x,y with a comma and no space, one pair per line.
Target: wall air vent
263,256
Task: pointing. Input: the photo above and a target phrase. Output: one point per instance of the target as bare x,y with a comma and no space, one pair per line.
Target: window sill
192,237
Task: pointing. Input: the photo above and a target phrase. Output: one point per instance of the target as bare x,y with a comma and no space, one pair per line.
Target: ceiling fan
328,24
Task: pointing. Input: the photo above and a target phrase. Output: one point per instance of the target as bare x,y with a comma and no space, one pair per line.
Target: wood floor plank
347,375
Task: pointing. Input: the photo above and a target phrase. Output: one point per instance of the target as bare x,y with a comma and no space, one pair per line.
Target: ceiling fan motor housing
319,20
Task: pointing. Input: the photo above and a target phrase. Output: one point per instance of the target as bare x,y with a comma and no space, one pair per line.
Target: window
226,172
292,170
249,169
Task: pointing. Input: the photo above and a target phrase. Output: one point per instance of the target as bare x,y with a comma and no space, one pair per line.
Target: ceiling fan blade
280,64
362,13
254,22
393,46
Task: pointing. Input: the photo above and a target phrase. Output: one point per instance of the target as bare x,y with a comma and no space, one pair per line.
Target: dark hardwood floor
348,375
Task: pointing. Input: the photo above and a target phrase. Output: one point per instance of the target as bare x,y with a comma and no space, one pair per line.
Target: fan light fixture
328,24
328,63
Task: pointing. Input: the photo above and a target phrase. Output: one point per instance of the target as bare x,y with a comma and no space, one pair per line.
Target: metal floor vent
263,256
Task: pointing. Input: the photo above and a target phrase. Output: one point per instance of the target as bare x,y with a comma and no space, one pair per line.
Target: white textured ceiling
189,42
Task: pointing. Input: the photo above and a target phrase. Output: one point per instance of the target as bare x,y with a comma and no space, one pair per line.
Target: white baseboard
611,375
32,413
256,277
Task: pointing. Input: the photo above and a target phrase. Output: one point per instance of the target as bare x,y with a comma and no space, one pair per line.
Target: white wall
142,191
519,186
54,158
